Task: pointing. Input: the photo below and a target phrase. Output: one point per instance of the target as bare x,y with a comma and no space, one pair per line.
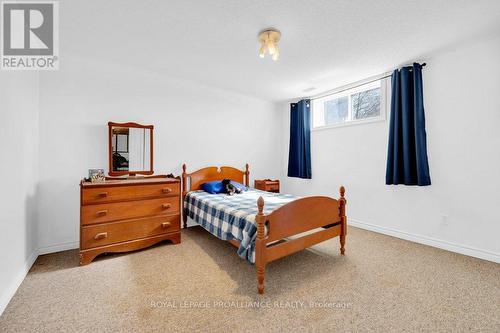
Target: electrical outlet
444,218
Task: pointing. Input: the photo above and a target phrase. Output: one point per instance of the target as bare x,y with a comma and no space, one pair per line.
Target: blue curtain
299,157
407,153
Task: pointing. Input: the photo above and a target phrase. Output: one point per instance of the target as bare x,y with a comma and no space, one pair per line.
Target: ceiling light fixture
269,40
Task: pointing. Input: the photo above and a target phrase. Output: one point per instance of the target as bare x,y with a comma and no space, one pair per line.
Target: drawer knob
166,206
166,224
102,194
102,212
166,190
101,235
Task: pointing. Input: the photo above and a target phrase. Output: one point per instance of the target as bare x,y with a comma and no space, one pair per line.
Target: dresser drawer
121,193
115,232
272,186
100,213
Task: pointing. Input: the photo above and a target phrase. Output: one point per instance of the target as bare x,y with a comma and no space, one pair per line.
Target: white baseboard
9,292
445,245
58,247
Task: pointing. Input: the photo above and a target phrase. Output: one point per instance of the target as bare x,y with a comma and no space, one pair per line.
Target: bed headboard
193,181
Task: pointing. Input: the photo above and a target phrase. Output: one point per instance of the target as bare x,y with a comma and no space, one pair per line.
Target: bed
263,226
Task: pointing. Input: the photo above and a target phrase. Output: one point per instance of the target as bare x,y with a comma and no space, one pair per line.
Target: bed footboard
294,218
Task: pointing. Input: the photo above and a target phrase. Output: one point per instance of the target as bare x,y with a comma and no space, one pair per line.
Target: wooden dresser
128,214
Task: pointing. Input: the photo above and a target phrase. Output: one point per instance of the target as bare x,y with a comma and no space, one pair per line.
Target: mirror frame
110,151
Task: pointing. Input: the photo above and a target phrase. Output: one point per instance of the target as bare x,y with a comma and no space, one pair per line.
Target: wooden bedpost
184,191
247,175
343,219
260,245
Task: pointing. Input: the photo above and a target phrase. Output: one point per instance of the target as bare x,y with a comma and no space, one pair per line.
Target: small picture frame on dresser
96,175
267,185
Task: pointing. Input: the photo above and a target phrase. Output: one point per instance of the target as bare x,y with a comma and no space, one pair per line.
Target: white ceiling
324,43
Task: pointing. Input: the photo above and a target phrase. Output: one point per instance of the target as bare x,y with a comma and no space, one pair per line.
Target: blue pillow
214,187
239,186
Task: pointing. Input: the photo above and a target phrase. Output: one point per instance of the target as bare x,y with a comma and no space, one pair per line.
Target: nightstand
267,185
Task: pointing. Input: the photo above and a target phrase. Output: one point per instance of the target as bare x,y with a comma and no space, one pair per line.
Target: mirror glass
131,149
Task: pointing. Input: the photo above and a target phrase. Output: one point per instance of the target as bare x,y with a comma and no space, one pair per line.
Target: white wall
462,105
19,170
194,124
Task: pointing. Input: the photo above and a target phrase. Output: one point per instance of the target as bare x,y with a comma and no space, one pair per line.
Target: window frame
349,90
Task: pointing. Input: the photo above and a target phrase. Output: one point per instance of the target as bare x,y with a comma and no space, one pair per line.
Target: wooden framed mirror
130,149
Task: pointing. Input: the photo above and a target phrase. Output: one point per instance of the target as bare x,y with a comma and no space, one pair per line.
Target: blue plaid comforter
232,217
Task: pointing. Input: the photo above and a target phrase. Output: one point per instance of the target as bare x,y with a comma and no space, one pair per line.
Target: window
363,103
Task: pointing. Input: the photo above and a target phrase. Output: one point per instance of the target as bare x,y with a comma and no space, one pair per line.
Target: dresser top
130,181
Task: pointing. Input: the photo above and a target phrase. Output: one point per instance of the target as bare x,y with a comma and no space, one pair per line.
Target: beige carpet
382,284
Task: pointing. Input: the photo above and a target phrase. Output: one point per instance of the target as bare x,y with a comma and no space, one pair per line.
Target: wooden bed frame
291,219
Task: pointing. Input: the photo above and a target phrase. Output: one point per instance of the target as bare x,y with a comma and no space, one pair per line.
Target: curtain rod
357,84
